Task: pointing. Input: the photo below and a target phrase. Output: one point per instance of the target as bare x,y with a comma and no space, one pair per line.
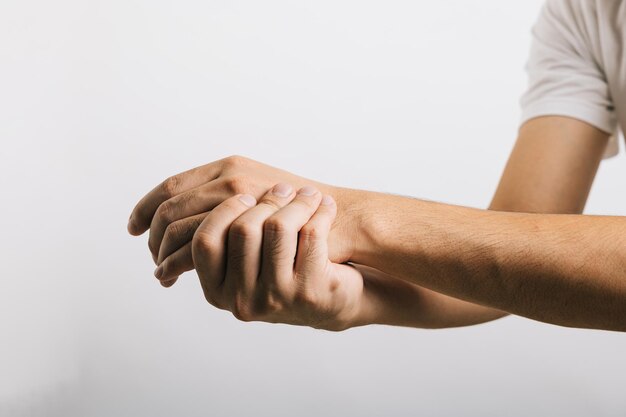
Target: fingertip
325,214
327,200
308,190
168,283
282,189
133,228
164,272
328,205
165,276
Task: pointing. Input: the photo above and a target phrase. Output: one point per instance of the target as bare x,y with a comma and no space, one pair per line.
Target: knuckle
275,205
334,285
273,305
269,304
213,300
210,299
309,232
241,310
170,186
307,201
307,298
184,199
243,229
204,242
165,212
275,226
173,230
234,160
235,184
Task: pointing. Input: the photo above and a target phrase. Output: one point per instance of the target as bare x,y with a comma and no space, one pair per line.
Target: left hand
269,261
174,209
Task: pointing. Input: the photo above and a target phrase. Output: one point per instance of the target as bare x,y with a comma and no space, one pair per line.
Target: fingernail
158,272
282,190
307,190
327,200
248,200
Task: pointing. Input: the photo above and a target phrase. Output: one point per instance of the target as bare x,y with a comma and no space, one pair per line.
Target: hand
174,209
269,261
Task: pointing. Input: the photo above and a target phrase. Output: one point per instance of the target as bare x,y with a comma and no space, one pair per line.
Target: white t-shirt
577,64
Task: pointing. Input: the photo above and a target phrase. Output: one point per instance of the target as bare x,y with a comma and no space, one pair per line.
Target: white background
101,100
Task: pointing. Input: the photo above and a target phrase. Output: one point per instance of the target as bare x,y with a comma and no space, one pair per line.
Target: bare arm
550,170
486,271
551,167
563,269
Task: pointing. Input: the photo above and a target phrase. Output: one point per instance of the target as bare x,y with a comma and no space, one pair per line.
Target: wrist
359,223
393,228
347,234
375,216
389,301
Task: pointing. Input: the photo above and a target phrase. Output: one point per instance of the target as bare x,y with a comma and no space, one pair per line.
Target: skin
396,302
565,269
550,170
278,268
174,209
561,269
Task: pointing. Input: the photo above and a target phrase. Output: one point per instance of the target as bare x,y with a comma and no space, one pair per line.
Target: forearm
563,269
393,301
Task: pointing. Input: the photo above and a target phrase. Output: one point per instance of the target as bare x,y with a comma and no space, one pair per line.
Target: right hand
268,261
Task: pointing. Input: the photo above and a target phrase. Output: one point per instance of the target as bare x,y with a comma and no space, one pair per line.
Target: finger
280,238
209,242
312,256
198,200
176,264
169,283
245,241
178,234
142,214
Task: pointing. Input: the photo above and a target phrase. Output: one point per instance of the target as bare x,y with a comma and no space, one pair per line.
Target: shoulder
572,26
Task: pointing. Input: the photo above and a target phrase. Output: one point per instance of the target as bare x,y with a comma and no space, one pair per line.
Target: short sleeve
564,77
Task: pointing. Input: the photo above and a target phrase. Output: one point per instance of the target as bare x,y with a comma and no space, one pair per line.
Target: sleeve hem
582,111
